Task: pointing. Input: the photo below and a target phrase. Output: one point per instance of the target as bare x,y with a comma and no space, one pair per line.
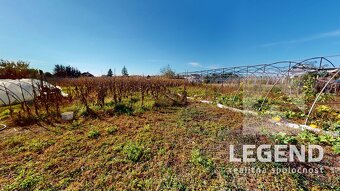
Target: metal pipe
317,97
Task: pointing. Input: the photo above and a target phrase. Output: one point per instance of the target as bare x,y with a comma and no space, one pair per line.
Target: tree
16,70
109,73
168,72
125,72
48,74
66,71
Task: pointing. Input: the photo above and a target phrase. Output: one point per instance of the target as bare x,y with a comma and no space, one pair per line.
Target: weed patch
135,152
111,130
199,159
94,134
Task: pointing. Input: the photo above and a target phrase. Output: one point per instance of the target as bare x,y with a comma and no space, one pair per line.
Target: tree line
167,72
66,71
16,70
21,69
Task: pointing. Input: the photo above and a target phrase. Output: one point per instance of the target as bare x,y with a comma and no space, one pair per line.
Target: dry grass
173,148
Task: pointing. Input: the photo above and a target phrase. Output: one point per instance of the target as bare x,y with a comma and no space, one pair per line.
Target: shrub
308,87
135,152
25,120
93,134
123,109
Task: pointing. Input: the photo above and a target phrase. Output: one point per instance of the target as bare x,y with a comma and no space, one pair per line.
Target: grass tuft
94,134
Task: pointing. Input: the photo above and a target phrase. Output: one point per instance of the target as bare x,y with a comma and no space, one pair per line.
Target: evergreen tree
125,72
109,73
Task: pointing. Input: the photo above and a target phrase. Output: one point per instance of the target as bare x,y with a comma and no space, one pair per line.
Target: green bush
308,87
135,152
123,109
93,134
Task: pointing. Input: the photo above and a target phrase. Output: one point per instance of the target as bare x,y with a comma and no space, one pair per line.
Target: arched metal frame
277,70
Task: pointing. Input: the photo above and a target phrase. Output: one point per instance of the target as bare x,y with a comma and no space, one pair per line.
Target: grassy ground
174,148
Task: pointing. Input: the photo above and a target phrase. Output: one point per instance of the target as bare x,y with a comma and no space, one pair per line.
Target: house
87,74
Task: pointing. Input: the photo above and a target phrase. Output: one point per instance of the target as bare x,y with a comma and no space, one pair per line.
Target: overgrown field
93,97
169,148
136,133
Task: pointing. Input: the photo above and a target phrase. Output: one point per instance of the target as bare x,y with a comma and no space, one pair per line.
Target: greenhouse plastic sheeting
17,91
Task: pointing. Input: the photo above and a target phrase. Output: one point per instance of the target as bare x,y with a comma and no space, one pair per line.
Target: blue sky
146,35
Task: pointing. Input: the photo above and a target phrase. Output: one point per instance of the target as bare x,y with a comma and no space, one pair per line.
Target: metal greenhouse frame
262,78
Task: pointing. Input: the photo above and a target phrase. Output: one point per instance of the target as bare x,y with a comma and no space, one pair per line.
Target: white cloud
335,33
195,64
330,34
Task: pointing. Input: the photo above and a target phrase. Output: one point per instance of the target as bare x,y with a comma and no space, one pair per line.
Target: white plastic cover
17,91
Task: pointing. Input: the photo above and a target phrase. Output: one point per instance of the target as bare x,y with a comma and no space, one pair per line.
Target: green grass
135,152
93,134
199,159
111,130
172,148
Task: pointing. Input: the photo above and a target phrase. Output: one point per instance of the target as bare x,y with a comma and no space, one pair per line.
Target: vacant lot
171,148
